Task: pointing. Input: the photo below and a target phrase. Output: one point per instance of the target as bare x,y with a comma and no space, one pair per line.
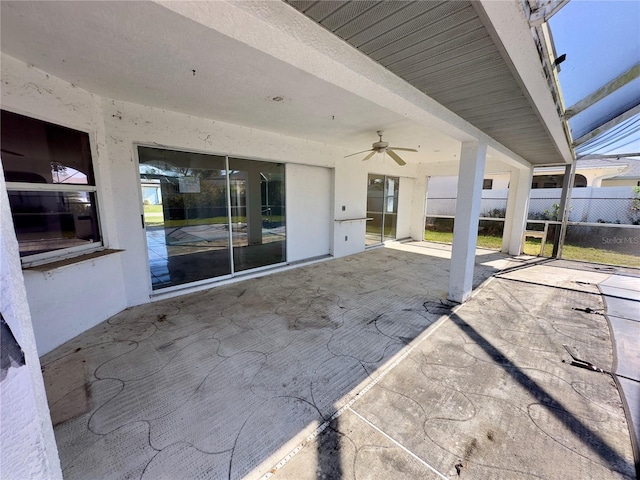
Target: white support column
465,230
418,207
517,210
567,188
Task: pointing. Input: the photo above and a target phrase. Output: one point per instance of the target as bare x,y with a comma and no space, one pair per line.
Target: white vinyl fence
606,218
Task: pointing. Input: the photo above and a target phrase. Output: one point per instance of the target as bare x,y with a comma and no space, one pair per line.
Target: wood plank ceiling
443,49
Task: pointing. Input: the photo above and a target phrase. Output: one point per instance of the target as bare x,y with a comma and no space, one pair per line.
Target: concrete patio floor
351,368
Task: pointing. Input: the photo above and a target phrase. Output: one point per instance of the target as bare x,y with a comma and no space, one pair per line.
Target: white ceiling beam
545,12
602,92
607,126
617,156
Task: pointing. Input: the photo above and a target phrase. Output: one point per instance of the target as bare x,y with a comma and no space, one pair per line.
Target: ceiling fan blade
358,153
395,156
369,156
404,149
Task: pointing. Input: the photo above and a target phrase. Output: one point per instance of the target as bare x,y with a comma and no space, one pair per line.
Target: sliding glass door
382,208
208,216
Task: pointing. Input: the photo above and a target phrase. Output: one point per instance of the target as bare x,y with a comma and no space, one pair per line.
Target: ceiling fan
383,147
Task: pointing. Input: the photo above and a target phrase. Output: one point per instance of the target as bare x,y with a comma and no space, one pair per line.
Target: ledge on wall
72,260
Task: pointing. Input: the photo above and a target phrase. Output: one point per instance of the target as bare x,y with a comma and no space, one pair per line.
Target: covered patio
159,363
349,368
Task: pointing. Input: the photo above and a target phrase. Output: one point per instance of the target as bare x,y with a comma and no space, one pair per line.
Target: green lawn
153,216
153,209
588,254
532,247
484,241
375,230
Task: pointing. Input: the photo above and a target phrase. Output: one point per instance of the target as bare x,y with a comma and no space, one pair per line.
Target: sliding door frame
233,273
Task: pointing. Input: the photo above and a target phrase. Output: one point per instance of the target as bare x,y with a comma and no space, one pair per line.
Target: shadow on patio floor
226,382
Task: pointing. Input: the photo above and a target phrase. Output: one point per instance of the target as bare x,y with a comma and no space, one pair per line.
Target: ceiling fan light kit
383,147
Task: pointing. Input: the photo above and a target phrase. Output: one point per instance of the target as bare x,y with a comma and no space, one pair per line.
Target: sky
601,39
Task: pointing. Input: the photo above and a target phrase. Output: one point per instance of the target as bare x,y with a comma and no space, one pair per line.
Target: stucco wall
405,200
128,125
68,300
447,186
65,303
418,207
27,443
627,182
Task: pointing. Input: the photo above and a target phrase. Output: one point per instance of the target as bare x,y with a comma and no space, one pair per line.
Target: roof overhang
478,59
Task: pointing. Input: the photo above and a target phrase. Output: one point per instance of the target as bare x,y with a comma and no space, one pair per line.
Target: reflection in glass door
257,213
382,208
199,215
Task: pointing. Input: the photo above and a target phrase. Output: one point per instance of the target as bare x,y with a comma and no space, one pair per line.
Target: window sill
55,264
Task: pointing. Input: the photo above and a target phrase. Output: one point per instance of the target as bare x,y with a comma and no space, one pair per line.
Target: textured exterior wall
65,302
630,182
405,207
129,125
68,300
27,445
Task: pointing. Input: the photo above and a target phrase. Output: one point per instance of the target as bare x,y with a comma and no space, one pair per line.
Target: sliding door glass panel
382,208
258,214
375,218
390,208
185,216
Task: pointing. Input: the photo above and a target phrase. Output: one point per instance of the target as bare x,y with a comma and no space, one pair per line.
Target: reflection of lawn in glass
375,230
532,247
153,216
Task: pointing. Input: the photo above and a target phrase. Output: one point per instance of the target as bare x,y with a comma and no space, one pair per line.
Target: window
487,184
51,187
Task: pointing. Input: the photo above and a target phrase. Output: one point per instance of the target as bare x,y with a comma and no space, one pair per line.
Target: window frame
51,256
